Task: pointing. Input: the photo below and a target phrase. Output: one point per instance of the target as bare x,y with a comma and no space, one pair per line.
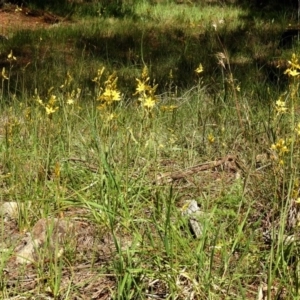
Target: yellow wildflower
3,74
70,101
39,100
70,98
211,138
280,106
110,95
50,106
146,92
294,62
148,102
291,72
280,147
50,109
142,86
199,69
11,57
294,66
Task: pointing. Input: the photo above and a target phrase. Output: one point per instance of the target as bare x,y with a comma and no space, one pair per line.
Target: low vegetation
117,121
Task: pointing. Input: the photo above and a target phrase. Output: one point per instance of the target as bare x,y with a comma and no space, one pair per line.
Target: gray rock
9,210
192,211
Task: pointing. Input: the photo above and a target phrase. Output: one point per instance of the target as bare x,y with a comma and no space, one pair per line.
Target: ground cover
102,156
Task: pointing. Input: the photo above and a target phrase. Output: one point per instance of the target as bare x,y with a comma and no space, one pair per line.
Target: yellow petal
199,69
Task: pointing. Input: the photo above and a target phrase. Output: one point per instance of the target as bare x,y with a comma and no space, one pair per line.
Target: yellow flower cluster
146,92
10,58
280,149
294,67
74,95
68,80
109,93
50,106
280,106
70,95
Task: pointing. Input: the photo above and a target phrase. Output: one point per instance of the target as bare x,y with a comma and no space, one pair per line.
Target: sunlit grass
63,153
200,16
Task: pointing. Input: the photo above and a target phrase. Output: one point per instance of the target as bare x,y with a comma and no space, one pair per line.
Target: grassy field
115,122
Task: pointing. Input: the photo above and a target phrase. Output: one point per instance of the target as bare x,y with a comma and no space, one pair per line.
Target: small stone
25,253
9,209
192,211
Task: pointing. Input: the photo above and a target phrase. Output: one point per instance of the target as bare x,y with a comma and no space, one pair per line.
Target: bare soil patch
13,18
